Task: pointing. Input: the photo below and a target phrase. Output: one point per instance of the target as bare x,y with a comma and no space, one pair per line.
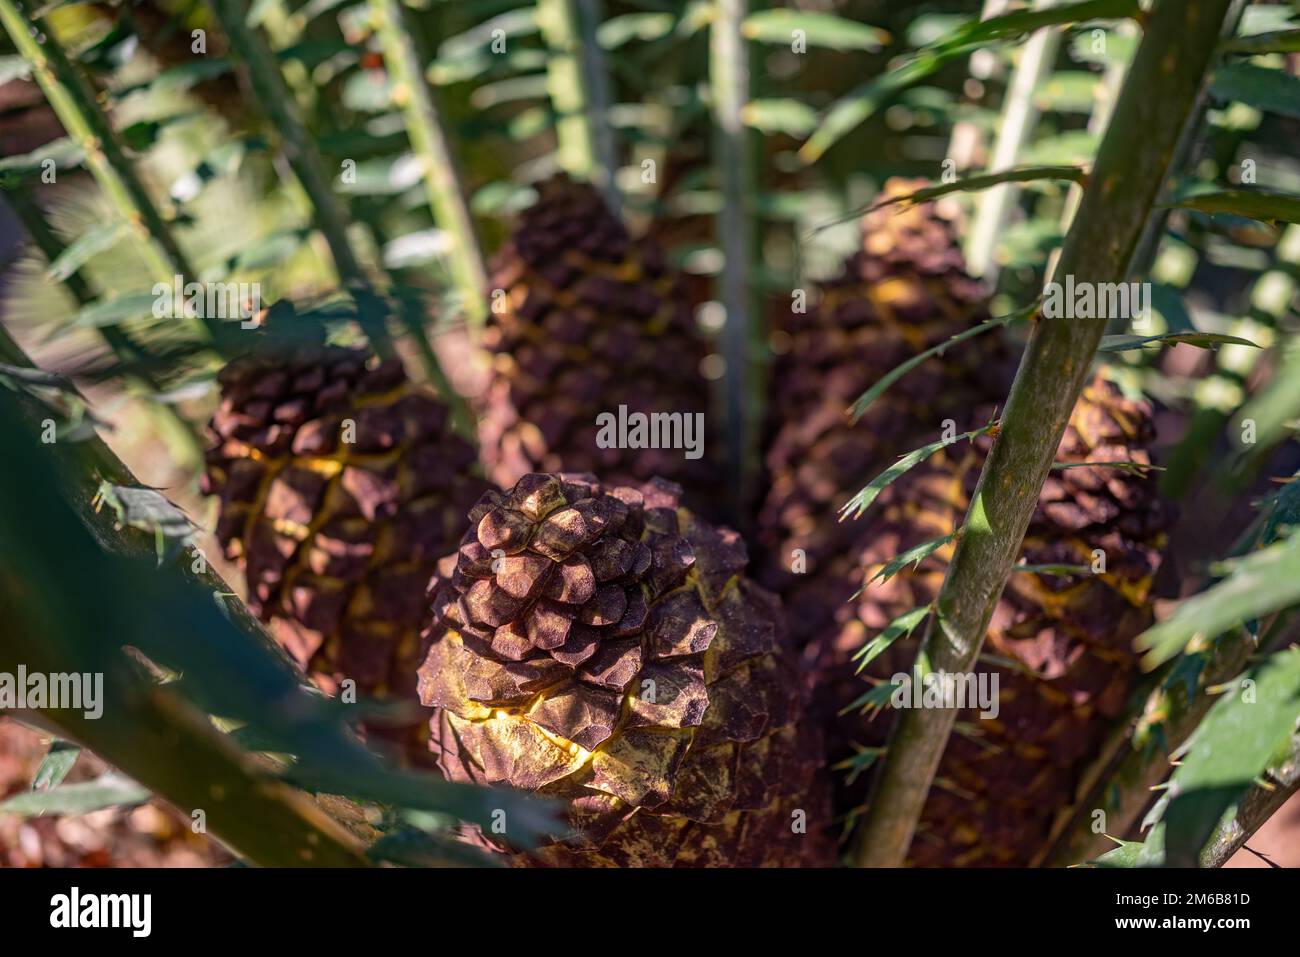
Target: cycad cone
601,645
1064,638
585,319
340,486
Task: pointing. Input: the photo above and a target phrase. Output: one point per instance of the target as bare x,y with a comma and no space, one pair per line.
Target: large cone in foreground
585,319
341,484
601,645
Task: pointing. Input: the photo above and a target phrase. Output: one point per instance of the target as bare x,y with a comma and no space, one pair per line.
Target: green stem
579,89
121,344
296,145
1019,118
1133,763
1257,806
429,140
1145,254
1134,157
742,334
77,108
90,462
150,732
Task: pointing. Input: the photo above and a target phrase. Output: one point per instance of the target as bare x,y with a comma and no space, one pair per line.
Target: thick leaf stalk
265,80
1019,119
75,104
150,732
429,140
742,336
1134,157
579,90
51,246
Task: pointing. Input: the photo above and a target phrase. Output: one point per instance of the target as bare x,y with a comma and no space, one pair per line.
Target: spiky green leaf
1241,735
1271,90
1254,585
1202,340
861,501
913,556
863,402
900,627
1265,206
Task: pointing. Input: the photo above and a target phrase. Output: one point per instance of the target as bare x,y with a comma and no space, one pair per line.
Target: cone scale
601,645
340,485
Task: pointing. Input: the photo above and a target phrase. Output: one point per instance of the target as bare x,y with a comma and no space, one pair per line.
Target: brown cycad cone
905,291
601,645
1060,643
585,320
341,484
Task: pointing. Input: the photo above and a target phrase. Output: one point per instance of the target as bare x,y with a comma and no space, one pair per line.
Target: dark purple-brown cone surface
341,484
1060,642
1063,640
905,291
585,319
601,645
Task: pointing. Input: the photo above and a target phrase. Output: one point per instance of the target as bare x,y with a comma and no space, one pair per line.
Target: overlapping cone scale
340,484
585,320
904,291
1059,642
1062,640
601,645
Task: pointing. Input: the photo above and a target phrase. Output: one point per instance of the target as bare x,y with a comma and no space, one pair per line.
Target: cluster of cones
587,635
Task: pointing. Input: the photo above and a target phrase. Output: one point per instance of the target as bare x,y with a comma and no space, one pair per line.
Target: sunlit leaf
860,502
81,250
853,109
1255,585
56,765
913,556
113,309
817,29
618,31
110,790
901,627
1242,734
1202,340
787,116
